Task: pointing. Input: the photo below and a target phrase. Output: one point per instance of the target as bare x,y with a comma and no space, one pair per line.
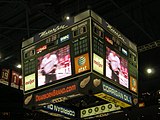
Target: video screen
54,66
116,68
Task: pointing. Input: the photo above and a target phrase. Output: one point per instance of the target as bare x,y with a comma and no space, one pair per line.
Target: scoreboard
85,44
56,55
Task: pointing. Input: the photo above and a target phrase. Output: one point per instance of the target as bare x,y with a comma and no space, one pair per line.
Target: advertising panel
116,68
54,66
105,108
81,63
98,63
56,94
54,29
60,110
111,99
5,76
115,95
30,82
133,84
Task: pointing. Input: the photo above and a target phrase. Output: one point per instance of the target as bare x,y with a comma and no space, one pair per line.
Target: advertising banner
84,85
53,29
82,63
30,82
133,84
112,99
54,94
105,108
5,76
98,64
60,110
115,95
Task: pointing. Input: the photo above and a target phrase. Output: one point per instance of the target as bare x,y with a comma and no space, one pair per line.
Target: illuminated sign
60,109
116,32
64,38
141,104
105,108
98,63
55,92
112,99
44,47
30,82
124,51
133,84
115,92
81,63
108,40
53,30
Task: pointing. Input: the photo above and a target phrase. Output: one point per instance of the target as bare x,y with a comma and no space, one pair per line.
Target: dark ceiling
138,20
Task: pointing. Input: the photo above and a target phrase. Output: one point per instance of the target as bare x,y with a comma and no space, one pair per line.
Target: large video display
116,67
54,66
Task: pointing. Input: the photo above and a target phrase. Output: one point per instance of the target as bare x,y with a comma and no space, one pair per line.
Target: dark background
138,20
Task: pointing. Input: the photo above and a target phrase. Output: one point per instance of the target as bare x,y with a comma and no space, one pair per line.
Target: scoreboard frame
89,38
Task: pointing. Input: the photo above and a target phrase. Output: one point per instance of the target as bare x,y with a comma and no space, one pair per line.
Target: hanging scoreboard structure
85,50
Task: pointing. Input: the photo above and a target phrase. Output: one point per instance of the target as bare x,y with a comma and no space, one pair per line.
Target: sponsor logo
64,38
97,63
30,82
124,51
142,104
108,40
51,31
133,84
60,109
28,99
55,93
105,108
117,93
60,99
112,100
41,48
116,33
82,63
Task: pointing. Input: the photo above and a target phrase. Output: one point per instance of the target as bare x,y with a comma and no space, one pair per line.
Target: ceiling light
19,66
67,17
20,77
149,71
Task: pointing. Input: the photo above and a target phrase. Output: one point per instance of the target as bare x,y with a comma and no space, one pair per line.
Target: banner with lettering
5,76
15,80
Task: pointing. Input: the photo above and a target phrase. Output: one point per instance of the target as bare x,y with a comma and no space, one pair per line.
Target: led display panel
116,67
54,66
